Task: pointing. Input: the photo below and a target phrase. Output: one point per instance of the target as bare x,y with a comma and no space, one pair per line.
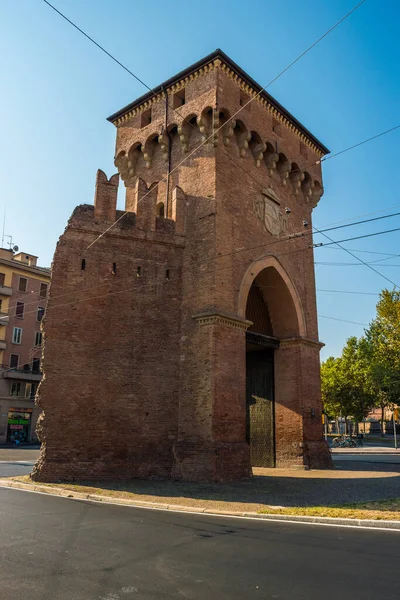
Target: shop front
19,425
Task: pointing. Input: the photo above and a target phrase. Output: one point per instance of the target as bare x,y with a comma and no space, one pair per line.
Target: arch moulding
251,273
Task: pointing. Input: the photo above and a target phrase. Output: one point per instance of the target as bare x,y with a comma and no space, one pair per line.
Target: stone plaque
267,207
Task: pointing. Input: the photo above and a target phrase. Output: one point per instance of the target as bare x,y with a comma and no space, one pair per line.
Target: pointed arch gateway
269,300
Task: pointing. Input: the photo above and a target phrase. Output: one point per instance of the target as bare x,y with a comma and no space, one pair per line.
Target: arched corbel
204,121
243,137
148,150
271,159
122,164
307,186
316,195
163,140
296,177
283,167
184,132
228,131
257,148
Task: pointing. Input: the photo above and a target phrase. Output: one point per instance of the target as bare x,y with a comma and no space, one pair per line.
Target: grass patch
388,510
246,496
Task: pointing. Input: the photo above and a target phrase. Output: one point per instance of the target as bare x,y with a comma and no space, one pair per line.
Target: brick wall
156,377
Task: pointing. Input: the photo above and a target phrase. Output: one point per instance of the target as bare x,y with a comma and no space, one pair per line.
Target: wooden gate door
260,407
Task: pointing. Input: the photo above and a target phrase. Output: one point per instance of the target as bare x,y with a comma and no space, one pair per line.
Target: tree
346,383
382,350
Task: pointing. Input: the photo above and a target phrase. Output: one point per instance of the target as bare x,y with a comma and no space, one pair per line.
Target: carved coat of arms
267,207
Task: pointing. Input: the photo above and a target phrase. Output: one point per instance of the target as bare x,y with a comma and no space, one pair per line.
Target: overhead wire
237,112
281,73
229,119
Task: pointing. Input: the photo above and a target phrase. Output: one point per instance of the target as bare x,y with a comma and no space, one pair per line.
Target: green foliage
367,374
346,383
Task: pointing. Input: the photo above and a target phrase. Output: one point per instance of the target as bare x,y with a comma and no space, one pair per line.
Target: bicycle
344,441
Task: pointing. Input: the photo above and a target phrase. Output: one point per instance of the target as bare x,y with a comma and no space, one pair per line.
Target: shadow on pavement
270,487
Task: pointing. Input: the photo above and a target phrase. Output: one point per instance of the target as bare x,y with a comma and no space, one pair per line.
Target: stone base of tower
317,455
54,466
219,462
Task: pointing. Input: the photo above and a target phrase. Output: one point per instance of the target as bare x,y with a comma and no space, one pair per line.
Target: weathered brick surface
152,330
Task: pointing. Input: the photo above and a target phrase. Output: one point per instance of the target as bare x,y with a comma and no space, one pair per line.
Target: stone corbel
228,131
204,125
308,188
271,159
215,126
163,140
243,139
284,172
148,152
315,196
258,152
122,164
126,167
296,179
184,130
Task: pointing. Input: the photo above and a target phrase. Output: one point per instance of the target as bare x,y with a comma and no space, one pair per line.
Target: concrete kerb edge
64,493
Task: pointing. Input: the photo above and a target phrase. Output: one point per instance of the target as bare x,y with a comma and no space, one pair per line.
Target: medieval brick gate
193,338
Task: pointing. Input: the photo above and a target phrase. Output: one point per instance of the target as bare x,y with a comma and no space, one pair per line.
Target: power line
342,320
338,243
303,233
238,111
307,247
231,117
387,254
349,292
99,46
343,264
374,137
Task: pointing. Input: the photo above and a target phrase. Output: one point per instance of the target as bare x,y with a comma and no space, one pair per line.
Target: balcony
4,318
21,374
5,290
3,344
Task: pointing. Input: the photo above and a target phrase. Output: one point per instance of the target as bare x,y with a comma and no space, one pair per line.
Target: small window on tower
160,209
145,118
179,99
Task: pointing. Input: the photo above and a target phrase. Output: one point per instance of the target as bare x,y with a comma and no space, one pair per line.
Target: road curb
64,493
353,452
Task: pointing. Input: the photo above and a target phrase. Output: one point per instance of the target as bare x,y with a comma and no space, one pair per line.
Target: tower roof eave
219,54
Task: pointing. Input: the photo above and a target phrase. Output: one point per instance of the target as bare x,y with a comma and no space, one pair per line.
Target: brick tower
183,343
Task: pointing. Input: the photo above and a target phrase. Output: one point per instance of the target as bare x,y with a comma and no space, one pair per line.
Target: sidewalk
367,450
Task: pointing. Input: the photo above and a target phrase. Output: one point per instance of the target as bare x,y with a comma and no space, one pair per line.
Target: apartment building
23,297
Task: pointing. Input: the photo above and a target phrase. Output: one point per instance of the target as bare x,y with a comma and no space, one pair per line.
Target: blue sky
58,89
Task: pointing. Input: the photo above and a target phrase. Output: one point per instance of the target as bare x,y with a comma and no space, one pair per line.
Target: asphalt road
61,549
17,461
